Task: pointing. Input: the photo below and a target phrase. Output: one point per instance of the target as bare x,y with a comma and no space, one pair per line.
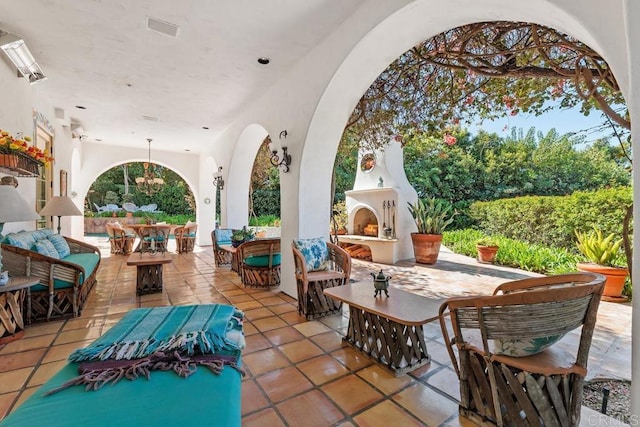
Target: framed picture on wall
63,183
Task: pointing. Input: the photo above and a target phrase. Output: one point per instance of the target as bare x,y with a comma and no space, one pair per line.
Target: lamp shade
13,207
60,206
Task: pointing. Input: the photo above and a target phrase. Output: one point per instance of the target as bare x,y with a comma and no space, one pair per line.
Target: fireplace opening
365,223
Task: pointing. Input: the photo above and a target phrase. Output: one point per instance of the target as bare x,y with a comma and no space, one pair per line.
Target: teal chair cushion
87,260
262,260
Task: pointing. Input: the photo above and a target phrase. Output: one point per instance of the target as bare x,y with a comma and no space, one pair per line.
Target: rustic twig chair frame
267,276
542,389
312,303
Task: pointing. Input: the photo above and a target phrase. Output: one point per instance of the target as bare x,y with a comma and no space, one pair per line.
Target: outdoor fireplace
377,206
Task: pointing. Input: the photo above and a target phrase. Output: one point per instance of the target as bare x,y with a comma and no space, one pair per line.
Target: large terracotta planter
616,276
426,247
487,254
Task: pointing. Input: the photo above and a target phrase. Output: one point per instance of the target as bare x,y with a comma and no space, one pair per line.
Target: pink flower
450,139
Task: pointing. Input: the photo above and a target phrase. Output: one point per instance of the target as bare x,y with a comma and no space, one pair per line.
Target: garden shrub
266,202
551,220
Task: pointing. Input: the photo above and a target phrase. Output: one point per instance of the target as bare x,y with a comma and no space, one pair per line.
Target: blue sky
564,121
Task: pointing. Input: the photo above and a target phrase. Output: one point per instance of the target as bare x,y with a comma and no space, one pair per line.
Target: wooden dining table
143,230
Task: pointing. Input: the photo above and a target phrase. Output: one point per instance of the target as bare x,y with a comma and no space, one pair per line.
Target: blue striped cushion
45,247
60,244
23,239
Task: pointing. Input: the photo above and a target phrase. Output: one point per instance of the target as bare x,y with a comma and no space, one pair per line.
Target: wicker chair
185,237
121,242
260,263
519,390
221,236
312,303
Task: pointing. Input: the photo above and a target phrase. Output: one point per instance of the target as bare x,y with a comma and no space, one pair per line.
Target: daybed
66,268
163,398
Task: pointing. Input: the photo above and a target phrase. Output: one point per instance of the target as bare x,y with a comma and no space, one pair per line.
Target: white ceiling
100,55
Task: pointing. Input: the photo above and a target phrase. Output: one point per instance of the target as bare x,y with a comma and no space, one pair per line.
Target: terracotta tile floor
296,367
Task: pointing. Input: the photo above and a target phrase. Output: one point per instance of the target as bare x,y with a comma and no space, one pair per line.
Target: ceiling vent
164,27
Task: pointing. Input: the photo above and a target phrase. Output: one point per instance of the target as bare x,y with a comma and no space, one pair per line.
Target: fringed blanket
162,338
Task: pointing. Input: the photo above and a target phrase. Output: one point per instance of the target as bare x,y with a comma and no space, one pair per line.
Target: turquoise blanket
193,329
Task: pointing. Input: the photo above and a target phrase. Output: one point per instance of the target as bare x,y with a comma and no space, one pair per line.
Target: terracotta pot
426,247
616,277
487,254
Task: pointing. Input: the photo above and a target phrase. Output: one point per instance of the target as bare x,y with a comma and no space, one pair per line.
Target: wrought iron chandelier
149,183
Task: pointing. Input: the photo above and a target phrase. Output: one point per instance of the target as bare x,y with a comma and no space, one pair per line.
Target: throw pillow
315,253
60,244
45,247
22,239
223,236
524,347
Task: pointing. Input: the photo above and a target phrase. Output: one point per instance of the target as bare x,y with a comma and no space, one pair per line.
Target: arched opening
115,196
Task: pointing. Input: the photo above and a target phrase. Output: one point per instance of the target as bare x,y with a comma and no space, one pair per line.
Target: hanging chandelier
149,183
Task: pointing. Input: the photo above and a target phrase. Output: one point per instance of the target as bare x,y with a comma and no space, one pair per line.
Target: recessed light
98,140
263,60
149,118
187,149
205,127
81,107
128,84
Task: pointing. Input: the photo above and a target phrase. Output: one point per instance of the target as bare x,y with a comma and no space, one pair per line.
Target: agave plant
598,248
431,215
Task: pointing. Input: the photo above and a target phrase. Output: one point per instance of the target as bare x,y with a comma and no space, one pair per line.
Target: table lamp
60,206
14,208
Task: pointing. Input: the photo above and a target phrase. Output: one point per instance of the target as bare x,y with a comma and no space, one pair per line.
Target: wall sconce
217,179
285,161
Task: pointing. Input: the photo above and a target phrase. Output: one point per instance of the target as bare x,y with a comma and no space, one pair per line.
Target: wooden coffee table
148,270
388,329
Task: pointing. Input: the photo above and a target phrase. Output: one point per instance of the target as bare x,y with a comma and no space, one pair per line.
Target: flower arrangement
11,145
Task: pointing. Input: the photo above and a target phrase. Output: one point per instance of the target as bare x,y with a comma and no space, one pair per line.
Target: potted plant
603,253
238,237
431,216
487,249
340,218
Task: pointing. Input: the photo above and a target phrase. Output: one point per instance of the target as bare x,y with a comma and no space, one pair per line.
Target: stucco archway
404,29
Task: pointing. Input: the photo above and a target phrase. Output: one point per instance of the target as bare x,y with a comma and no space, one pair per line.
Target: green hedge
551,220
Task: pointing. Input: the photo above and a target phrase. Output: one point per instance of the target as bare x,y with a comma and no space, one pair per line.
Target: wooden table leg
400,348
11,319
148,278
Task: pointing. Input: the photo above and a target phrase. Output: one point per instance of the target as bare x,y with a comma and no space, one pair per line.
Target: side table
12,297
148,270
